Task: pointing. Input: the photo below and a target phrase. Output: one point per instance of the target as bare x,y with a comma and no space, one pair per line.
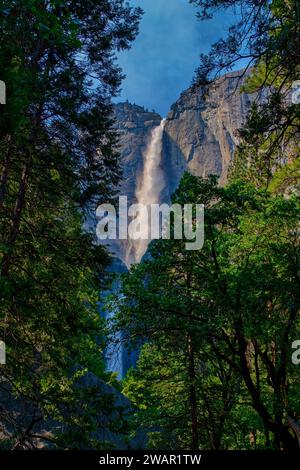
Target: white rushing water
149,187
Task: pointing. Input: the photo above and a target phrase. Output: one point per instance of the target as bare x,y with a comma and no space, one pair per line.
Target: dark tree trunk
282,436
193,395
16,219
5,173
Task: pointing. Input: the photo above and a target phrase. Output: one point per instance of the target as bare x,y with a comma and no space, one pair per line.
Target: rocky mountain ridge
200,136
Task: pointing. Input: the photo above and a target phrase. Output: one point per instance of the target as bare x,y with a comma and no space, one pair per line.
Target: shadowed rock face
23,425
134,125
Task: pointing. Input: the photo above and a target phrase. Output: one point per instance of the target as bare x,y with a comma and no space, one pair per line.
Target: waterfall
149,187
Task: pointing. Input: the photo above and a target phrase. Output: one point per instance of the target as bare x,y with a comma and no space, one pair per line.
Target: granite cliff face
134,125
201,129
200,132
200,135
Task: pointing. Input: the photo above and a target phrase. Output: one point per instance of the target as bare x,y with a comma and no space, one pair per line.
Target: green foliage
219,323
58,160
287,178
265,36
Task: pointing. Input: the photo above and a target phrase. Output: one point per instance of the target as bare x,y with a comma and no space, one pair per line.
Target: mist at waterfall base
151,183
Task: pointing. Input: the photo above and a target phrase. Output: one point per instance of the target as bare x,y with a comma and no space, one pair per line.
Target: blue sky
163,58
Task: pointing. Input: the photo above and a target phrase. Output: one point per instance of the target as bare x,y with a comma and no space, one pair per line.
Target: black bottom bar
145,459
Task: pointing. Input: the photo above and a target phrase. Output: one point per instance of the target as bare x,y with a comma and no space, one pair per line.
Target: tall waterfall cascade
150,184
149,187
